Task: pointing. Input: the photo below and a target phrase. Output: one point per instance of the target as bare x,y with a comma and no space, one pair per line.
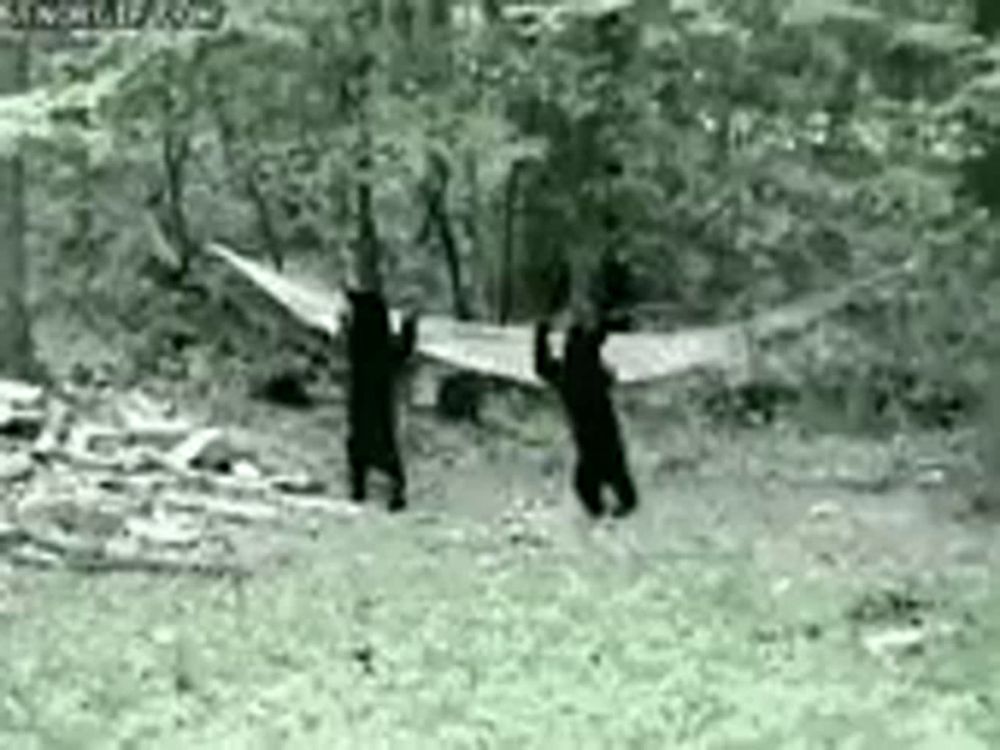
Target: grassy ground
731,612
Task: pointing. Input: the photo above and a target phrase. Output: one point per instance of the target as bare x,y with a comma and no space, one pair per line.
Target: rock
164,531
93,438
34,557
235,511
16,393
781,586
244,469
141,406
207,448
21,422
55,429
895,642
150,422
15,467
931,477
10,534
297,484
22,408
825,510
424,387
76,514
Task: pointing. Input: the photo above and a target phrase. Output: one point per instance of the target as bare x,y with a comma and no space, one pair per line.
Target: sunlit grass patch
398,634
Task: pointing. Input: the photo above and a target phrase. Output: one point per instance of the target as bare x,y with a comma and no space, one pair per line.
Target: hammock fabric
506,351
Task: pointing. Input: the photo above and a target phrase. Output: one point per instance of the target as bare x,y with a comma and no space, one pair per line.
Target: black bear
375,358
583,383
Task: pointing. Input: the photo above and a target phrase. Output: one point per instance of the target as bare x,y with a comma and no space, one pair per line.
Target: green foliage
743,152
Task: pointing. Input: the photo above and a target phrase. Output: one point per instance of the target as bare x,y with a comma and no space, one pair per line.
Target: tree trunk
356,93
492,10
512,196
986,17
368,250
403,18
176,149
439,14
368,247
470,218
439,217
16,350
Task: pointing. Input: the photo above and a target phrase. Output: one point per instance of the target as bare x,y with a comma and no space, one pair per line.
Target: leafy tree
16,350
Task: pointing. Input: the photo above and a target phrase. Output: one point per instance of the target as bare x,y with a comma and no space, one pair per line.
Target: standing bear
583,383
375,358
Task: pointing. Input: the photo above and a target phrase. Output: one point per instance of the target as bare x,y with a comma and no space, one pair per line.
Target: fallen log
228,510
269,509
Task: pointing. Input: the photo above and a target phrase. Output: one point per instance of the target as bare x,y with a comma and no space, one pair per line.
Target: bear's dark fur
583,383
375,358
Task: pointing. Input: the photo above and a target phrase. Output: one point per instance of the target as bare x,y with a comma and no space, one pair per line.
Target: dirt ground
775,590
